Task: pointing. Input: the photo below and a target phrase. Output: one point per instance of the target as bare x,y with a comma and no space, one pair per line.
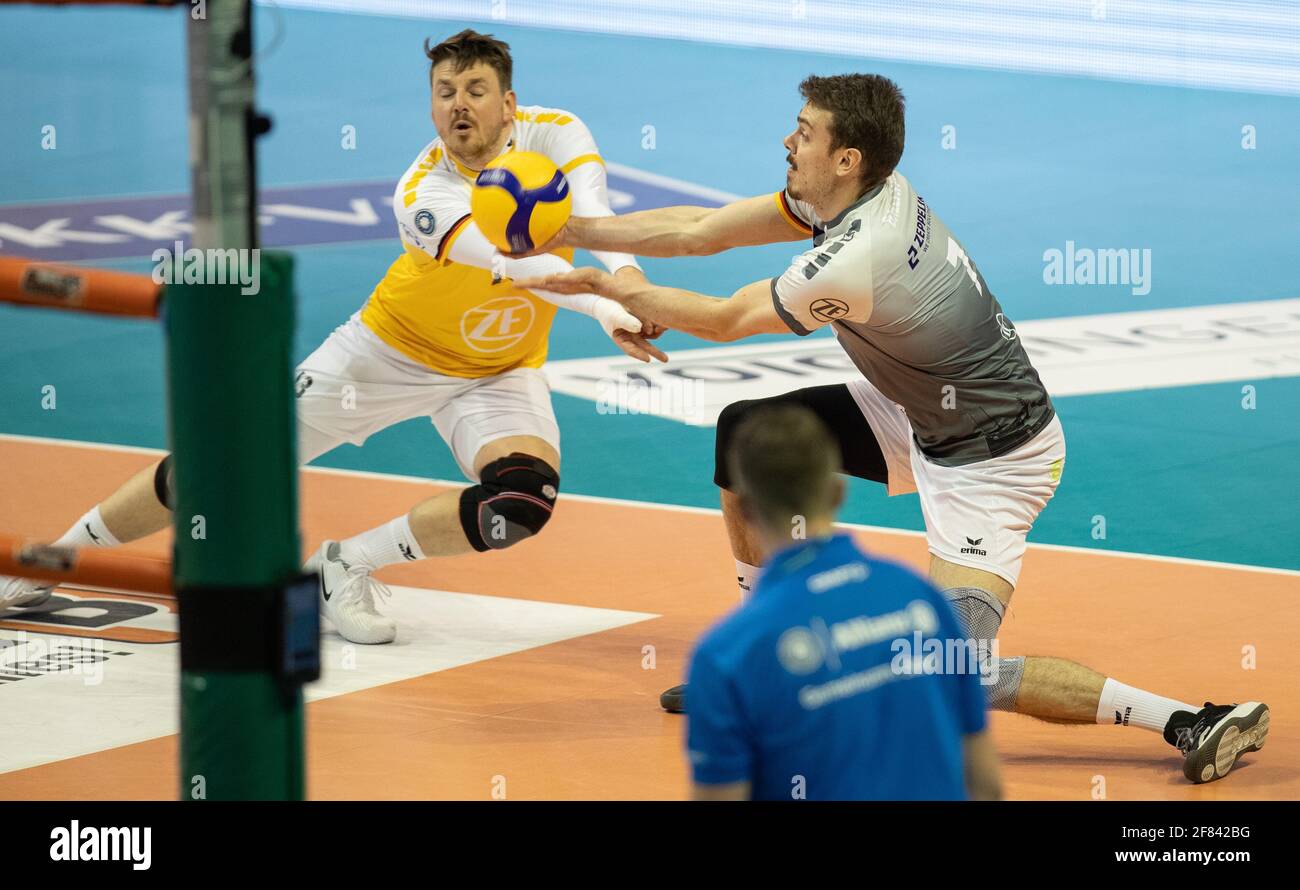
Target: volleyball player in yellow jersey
444,335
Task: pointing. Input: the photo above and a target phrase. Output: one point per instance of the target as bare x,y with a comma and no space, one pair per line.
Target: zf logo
828,310
497,324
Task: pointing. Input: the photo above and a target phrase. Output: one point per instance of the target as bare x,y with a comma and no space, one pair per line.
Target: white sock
389,543
746,577
1129,706
89,531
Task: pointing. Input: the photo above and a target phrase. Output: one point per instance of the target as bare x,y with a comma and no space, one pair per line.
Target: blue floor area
1039,160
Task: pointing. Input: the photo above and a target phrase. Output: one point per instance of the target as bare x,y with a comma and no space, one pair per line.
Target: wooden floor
580,718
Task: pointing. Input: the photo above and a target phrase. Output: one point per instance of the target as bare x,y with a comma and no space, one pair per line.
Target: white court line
681,508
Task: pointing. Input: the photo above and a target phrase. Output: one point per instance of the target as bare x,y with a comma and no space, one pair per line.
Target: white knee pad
980,613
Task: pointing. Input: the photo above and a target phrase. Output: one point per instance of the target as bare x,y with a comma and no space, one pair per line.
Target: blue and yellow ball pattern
520,200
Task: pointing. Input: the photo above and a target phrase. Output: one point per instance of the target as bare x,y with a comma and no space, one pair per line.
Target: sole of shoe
1243,730
39,599
674,700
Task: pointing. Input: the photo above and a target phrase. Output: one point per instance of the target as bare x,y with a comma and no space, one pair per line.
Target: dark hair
469,48
866,114
783,462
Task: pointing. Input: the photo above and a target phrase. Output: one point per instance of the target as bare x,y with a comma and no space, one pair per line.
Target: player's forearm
696,314
668,231
547,264
591,199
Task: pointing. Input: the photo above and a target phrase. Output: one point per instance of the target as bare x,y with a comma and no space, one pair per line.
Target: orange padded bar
35,283
92,568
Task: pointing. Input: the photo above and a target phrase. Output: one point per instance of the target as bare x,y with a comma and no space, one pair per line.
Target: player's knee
162,482
1004,686
728,420
513,501
980,613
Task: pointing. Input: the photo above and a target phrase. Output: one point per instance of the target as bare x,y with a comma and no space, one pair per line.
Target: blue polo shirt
827,686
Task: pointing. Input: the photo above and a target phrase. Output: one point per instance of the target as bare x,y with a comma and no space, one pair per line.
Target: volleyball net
249,622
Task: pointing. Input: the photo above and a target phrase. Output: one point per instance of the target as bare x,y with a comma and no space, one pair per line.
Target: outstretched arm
828,283
471,248
749,311
587,184
685,231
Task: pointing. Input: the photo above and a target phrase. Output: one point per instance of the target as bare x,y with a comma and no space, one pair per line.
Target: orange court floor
561,647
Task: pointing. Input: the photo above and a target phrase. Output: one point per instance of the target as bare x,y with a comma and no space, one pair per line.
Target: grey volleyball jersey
917,319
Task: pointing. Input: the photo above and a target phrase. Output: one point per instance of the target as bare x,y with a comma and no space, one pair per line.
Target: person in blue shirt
844,677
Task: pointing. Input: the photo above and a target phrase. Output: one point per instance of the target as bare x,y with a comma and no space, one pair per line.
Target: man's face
470,111
812,168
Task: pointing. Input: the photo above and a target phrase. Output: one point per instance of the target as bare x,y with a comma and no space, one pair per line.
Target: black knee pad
728,420
162,482
512,501
860,453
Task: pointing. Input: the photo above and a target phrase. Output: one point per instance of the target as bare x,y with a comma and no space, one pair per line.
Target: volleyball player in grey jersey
948,404
915,316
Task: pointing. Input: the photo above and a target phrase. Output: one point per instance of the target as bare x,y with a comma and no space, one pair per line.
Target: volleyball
520,201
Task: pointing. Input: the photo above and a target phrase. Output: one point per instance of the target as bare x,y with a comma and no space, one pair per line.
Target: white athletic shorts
355,385
976,515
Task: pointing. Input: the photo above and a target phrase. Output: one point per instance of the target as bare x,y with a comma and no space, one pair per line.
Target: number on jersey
958,256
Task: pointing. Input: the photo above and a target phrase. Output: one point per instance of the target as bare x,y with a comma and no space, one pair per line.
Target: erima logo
1005,326
974,548
74,844
301,383
1123,718
406,551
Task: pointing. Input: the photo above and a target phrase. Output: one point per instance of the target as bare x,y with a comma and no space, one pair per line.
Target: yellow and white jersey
449,315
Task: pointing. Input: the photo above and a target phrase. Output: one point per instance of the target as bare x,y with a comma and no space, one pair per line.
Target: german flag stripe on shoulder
789,214
444,246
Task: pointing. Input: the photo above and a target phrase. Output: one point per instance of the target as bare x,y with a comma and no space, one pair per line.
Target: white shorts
976,515
355,385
